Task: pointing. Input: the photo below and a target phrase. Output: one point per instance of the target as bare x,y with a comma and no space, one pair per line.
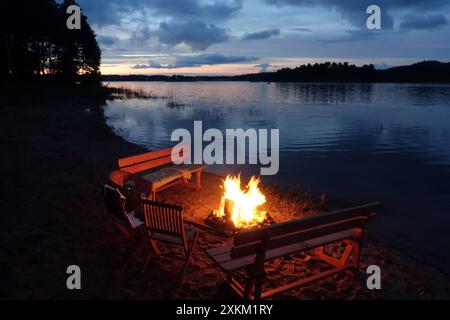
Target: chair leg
248,288
198,177
188,256
356,256
155,247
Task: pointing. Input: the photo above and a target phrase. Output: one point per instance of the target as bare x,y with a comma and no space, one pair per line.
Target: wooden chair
252,248
164,223
124,219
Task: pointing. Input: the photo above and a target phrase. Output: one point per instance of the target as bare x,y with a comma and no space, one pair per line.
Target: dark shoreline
422,72
57,153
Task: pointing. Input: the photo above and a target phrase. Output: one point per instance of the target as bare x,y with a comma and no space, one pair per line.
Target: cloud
263,67
414,21
140,35
107,40
189,61
354,35
300,29
265,34
151,65
192,22
106,12
112,12
216,10
210,59
355,10
198,35
141,66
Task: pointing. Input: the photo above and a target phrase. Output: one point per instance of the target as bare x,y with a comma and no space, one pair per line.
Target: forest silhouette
425,71
35,44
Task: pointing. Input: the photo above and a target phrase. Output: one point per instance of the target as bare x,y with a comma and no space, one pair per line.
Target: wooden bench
155,171
251,249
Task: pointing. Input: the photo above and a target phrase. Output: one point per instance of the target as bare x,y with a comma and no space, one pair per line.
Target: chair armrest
201,226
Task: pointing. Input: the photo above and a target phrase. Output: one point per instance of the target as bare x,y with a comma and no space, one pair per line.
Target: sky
227,37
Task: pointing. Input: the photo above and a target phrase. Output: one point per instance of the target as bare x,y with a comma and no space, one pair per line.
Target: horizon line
270,72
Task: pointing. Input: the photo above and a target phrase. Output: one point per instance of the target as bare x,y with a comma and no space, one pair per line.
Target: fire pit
239,207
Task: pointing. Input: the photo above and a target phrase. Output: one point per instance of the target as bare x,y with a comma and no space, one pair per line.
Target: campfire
239,208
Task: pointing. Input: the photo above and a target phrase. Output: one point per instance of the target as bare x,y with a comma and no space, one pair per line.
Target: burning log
239,207
227,227
228,211
219,225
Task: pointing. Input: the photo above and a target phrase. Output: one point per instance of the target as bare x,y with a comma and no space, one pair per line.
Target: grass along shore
56,152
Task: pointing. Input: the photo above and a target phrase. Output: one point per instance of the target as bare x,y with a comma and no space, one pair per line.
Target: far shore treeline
426,71
35,44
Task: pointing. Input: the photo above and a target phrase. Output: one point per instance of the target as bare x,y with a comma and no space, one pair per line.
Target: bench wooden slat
128,161
301,236
219,250
153,155
223,257
147,165
226,263
295,225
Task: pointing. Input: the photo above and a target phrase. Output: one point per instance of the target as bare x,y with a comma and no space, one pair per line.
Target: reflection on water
355,142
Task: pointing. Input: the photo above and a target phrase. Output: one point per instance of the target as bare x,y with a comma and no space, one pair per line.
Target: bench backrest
163,218
299,230
149,160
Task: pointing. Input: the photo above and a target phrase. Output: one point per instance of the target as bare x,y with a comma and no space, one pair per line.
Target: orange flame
245,211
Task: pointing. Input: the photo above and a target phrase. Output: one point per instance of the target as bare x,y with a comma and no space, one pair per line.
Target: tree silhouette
36,44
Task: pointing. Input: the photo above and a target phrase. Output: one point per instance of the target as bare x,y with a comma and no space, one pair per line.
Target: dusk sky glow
247,36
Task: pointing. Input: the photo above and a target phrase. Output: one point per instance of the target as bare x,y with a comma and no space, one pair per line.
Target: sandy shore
55,155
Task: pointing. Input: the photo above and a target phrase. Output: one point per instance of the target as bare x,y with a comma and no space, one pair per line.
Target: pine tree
35,43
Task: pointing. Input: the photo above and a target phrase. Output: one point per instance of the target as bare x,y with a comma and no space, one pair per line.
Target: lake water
355,142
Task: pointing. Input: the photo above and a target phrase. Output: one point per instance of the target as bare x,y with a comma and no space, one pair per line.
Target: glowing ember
244,203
